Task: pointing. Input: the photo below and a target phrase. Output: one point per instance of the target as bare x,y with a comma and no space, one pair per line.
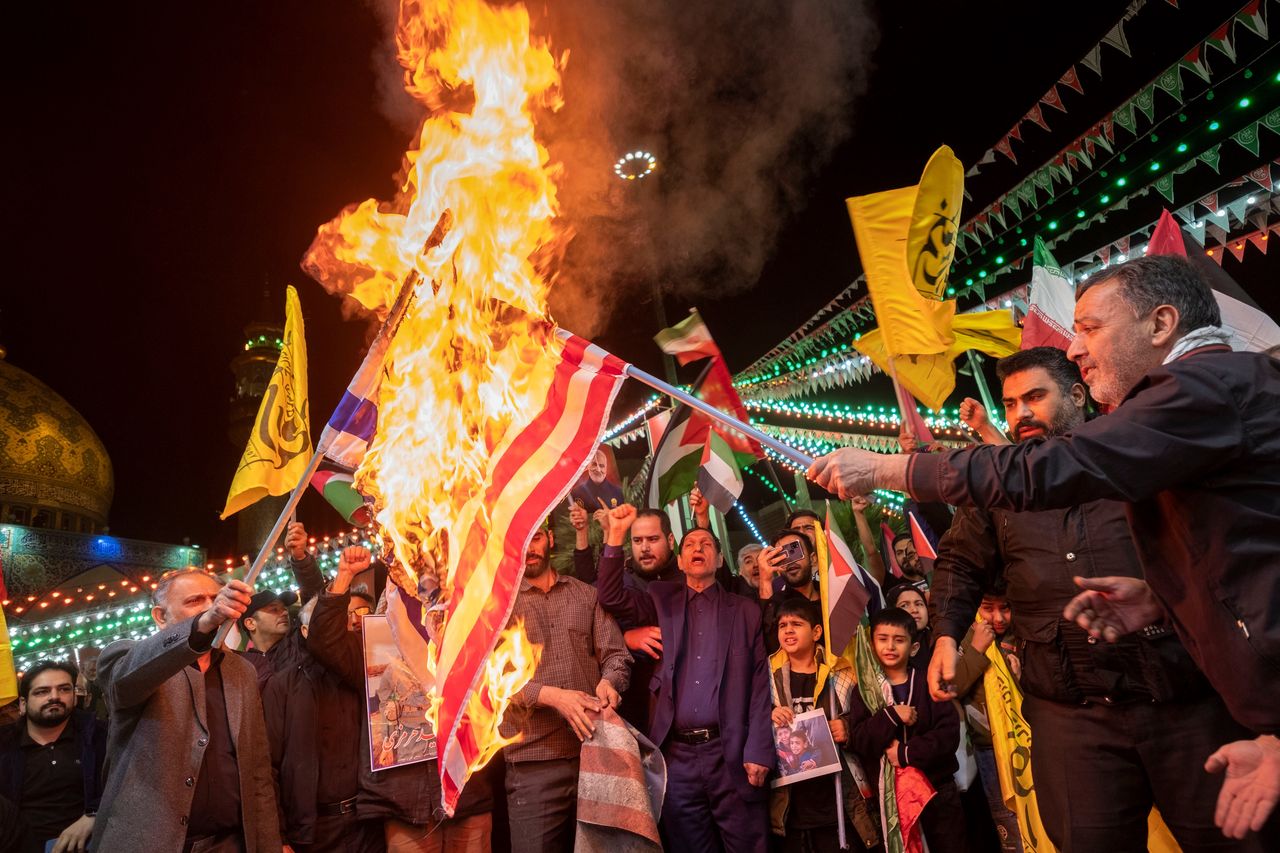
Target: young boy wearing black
913,732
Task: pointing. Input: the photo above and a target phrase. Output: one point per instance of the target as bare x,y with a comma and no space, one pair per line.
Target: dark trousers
825,839
542,805
1099,769
705,810
1006,822
942,821
343,833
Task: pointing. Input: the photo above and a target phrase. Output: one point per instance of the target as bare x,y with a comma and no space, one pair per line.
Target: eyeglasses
361,611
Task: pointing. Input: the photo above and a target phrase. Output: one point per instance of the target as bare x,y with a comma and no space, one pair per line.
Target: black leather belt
347,806
696,736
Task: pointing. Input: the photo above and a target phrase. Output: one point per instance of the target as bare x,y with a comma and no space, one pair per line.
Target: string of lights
751,525
639,413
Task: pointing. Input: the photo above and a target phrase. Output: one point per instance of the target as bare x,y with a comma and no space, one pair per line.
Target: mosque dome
54,470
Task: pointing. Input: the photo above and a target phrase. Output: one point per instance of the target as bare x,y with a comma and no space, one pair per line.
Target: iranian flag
719,478
1251,329
339,489
688,340
1053,304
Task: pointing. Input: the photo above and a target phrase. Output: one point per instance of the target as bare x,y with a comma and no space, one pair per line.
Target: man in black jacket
51,761
1116,727
313,725
406,799
1193,448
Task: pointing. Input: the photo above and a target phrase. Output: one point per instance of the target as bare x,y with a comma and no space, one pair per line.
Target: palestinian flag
688,340
845,588
678,458
922,538
719,477
1250,328
1051,314
886,544
339,489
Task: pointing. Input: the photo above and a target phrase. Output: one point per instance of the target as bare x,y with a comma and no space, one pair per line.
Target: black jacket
1194,450
91,736
410,793
313,726
1037,554
930,744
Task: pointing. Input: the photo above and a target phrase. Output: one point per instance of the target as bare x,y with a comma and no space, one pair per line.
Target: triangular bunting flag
997,212
1220,40
1211,157
1093,59
1006,149
1012,202
1271,121
1015,132
1259,241
1193,63
1109,130
1196,231
1035,115
1215,255
1238,209
1122,245
1116,39
1164,185
1262,176
1053,99
1171,82
1186,214
1071,79
1146,101
1248,139
1027,192
1236,247
1125,117
1210,202
1104,255
1253,17
1091,146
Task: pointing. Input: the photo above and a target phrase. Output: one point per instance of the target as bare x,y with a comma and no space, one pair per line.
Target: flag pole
281,522
843,836
800,459
975,364
897,394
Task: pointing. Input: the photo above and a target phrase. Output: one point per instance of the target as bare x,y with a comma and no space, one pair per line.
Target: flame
472,357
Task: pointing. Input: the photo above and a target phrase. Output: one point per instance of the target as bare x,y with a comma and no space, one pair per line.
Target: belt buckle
698,736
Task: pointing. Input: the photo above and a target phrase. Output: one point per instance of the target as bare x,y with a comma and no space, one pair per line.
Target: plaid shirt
580,645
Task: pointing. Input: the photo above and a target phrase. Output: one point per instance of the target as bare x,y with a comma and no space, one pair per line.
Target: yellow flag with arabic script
279,447
932,378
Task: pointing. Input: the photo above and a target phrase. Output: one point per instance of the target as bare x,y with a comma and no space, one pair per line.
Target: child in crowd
995,618
805,678
914,731
907,597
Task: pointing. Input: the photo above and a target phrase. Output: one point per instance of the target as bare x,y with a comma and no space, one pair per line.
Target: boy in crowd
915,731
995,620
805,678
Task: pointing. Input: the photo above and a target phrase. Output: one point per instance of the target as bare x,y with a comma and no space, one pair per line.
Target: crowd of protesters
1064,560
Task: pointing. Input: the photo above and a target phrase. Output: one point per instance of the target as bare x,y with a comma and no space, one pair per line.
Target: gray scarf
1196,338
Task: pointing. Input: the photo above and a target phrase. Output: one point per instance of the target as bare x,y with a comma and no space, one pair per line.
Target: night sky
172,161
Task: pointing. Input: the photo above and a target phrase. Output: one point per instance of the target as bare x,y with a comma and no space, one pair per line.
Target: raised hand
578,516
618,523
974,414
229,605
295,540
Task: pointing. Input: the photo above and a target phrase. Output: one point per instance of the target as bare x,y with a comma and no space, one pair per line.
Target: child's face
892,646
784,738
797,636
913,602
797,744
996,613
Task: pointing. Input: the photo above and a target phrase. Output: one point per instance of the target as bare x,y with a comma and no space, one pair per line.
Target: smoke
741,103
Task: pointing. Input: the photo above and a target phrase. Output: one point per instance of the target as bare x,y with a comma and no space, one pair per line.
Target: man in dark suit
712,706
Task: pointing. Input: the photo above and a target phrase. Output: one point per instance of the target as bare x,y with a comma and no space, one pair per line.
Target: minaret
252,368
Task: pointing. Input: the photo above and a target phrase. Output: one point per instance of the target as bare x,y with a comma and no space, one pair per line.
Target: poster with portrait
399,728
601,485
806,749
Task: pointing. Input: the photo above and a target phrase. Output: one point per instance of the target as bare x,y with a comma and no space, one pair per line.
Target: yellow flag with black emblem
279,447
906,238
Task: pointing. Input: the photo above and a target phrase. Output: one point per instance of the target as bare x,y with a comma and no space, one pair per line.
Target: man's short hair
714,538
749,548
794,605
1063,370
1146,283
799,514
804,540
167,580
900,537
361,591
24,687
664,520
896,617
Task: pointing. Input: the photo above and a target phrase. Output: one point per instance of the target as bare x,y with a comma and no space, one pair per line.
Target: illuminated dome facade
54,470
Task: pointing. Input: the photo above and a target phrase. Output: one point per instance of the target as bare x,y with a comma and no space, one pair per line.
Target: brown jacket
158,737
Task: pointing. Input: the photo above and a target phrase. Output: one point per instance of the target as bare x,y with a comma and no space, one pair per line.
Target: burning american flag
485,416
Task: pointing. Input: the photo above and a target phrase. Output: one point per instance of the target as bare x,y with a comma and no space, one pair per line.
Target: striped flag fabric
338,487
529,472
688,340
845,593
922,537
1251,329
351,427
1051,314
678,458
719,478
886,544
